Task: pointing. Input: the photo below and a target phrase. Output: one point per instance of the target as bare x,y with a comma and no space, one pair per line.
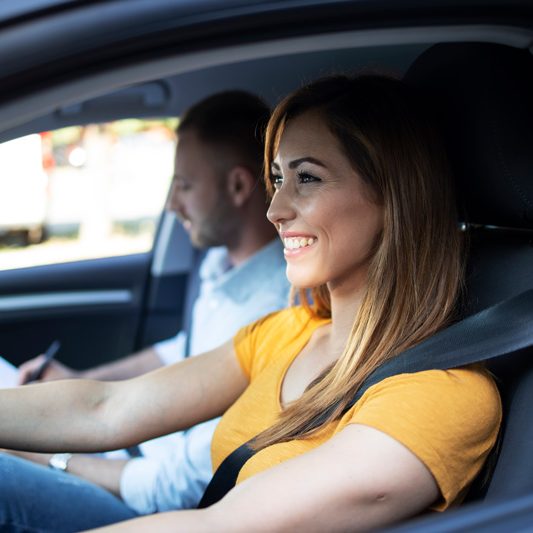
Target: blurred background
84,192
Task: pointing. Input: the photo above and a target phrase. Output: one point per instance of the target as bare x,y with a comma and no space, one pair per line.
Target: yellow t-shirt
448,418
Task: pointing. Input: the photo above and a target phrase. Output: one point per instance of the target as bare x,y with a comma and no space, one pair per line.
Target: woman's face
322,208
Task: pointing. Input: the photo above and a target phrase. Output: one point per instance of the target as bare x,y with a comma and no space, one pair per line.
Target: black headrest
483,97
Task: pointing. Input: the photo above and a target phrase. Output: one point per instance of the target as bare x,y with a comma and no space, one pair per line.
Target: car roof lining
31,112
13,10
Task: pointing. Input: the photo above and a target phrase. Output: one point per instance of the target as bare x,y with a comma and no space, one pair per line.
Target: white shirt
176,469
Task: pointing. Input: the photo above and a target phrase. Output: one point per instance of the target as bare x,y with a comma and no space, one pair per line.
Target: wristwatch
59,461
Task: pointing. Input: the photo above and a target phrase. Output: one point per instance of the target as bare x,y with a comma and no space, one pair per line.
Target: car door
99,309
111,274
92,307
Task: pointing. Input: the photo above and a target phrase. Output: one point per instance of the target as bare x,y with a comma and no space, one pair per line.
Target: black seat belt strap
498,331
191,294
226,475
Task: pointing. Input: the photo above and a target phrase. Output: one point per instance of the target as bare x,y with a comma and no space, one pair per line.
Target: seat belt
191,294
498,331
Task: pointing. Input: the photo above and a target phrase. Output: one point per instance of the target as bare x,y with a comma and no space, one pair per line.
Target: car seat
481,96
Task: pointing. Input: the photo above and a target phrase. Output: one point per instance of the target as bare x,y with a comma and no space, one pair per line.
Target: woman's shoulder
448,418
463,384
467,394
462,379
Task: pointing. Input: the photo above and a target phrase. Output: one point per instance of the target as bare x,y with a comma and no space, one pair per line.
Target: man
218,195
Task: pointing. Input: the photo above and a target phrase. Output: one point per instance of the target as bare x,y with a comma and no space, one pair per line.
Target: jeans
37,499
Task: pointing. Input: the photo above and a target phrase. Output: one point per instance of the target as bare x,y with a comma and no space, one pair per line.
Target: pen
48,356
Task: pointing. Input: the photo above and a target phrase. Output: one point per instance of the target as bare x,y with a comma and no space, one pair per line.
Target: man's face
199,196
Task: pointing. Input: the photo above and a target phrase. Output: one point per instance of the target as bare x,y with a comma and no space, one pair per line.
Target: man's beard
216,229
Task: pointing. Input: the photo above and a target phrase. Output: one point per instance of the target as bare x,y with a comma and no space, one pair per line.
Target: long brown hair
416,271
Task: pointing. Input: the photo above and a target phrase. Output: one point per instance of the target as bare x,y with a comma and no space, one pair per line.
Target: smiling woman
323,200
356,167
356,171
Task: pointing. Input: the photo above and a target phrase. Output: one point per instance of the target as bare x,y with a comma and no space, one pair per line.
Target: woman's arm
88,416
358,480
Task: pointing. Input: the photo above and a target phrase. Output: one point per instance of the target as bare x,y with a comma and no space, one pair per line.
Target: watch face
59,461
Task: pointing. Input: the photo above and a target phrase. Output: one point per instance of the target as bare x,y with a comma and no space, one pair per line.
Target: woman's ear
240,185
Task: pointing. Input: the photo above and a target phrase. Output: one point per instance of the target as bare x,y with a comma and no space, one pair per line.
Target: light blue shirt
176,469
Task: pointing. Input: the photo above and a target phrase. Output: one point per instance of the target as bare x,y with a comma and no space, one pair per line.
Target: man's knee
32,496
9,471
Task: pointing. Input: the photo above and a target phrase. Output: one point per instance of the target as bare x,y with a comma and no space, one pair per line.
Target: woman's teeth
293,243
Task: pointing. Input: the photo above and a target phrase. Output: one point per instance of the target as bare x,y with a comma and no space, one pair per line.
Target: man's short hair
234,121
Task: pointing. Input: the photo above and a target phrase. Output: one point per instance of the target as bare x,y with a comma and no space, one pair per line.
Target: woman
361,198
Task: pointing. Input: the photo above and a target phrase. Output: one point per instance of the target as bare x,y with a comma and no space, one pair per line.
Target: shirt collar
238,282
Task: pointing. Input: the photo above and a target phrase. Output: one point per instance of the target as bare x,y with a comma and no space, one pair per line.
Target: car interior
478,80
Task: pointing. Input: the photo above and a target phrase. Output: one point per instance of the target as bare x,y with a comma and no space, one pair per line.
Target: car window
83,192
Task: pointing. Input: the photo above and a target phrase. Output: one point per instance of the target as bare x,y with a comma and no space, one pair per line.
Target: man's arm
97,470
128,367
176,479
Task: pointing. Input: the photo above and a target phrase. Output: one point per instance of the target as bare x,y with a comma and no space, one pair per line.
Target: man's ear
240,185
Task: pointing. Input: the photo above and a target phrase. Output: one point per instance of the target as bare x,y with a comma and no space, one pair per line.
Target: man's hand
39,458
103,472
54,370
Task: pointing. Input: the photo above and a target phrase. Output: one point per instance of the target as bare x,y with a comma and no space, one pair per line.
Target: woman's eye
276,180
305,177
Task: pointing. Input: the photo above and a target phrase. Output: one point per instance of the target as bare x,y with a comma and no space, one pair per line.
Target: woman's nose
281,207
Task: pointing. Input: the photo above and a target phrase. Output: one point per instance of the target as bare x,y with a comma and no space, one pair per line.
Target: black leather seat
482,95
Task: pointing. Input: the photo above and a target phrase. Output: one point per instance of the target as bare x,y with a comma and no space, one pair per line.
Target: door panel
93,307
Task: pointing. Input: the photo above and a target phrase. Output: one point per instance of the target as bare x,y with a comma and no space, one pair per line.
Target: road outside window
83,192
